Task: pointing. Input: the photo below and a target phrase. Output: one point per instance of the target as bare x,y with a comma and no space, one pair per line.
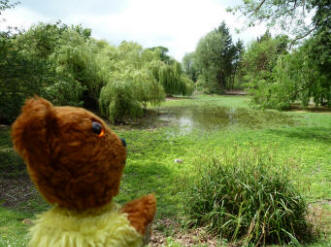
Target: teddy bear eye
97,128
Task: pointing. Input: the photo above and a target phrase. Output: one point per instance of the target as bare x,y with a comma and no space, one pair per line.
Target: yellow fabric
105,227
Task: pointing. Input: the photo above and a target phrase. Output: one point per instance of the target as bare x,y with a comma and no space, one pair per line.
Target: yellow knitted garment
104,227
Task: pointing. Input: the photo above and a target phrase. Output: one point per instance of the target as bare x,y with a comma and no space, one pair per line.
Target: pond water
209,118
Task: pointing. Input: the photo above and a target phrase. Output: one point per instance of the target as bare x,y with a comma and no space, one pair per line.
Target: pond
209,118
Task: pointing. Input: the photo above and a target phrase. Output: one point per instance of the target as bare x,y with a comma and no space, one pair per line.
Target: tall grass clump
247,198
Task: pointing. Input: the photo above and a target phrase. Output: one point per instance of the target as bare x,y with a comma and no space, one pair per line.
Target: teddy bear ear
29,131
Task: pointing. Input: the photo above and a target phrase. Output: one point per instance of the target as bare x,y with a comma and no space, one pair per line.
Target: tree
258,62
163,54
287,14
5,4
236,72
21,76
315,51
173,80
297,79
190,66
215,54
131,83
70,52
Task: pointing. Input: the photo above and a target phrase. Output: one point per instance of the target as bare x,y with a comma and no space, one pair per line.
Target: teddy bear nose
123,142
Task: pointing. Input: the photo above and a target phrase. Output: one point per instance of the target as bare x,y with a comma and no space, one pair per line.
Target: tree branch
304,35
260,5
295,5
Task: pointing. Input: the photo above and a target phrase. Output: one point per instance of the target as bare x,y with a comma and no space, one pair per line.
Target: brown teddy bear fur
72,166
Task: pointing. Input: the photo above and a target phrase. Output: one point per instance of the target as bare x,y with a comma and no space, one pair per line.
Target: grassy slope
305,146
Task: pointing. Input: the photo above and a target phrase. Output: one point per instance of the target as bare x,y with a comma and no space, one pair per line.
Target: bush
250,199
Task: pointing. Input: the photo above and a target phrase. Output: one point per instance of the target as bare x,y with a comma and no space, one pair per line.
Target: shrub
247,198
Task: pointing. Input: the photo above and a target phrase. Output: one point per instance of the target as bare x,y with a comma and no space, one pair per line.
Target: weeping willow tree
131,85
128,93
145,78
80,61
117,101
173,79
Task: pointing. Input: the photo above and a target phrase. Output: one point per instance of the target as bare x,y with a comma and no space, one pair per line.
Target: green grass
12,228
302,142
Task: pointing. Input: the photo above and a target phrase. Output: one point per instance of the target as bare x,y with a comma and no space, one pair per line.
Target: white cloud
177,25
21,18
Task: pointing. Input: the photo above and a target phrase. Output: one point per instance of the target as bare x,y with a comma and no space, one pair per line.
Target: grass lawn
299,140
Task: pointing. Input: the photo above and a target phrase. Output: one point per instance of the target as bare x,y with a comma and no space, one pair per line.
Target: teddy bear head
72,157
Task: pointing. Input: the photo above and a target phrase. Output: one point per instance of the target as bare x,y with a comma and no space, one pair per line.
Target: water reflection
208,118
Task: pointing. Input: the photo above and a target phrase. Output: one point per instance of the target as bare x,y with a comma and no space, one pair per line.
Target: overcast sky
175,24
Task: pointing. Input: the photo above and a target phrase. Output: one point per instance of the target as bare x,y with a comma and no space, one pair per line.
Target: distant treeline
270,69
67,66
273,73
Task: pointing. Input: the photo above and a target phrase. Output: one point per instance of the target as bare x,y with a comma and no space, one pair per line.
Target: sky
175,24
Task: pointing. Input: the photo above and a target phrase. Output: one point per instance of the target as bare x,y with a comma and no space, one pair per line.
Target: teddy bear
76,162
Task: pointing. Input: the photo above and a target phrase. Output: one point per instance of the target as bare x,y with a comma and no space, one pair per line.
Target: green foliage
127,93
169,76
137,69
247,197
51,60
78,64
216,55
163,54
188,85
258,63
21,76
278,79
307,74
64,93
73,55
172,78
297,79
117,102
235,80
190,66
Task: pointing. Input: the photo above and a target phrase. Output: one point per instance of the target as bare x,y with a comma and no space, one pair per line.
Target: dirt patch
235,92
310,108
168,98
178,235
319,215
16,191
